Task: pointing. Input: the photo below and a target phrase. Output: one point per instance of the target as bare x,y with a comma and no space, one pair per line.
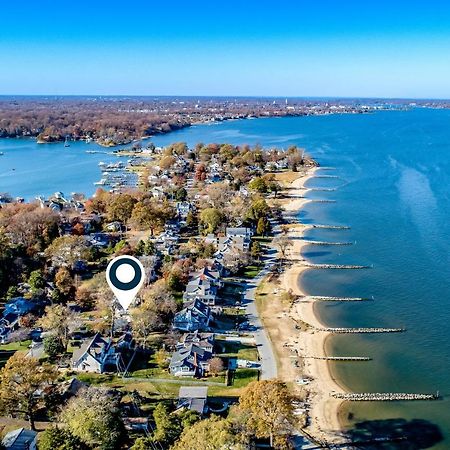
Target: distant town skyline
283,49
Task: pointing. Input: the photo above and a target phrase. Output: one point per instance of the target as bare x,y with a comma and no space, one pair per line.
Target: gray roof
193,392
94,347
193,397
19,439
181,356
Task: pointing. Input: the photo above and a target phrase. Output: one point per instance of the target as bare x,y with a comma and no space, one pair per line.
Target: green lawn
23,345
238,350
243,377
250,271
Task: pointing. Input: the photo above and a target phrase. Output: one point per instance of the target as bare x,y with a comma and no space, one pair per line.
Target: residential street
268,361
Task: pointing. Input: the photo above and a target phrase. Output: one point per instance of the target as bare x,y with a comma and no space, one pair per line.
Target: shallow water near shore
394,193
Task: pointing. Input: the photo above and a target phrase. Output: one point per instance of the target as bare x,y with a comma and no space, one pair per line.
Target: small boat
66,143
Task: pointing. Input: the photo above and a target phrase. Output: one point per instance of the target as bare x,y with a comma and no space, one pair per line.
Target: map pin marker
125,276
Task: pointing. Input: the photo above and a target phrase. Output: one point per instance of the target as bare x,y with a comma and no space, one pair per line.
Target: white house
95,355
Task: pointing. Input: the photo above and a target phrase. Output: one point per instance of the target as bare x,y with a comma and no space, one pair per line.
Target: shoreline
325,423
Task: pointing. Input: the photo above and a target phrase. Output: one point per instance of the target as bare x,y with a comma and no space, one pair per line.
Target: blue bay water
394,193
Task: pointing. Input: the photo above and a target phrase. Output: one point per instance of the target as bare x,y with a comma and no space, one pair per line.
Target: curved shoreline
326,424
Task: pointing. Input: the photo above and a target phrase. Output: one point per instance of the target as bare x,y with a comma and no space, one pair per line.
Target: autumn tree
53,346
36,281
93,415
166,162
200,172
211,218
211,434
256,250
64,281
29,225
54,438
60,321
267,410
155,311
258,184
21,379
263,227
169,426
258,209
67,250
282,243
216,366
162,358
219,194
121,207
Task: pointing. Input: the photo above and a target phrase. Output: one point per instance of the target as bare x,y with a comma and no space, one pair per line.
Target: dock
381,396
361,330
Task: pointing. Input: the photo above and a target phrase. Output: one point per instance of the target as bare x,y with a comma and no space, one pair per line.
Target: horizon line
228,96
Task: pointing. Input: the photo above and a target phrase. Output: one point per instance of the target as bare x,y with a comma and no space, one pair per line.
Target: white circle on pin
125,273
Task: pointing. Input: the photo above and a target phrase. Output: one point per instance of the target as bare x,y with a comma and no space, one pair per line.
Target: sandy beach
295,328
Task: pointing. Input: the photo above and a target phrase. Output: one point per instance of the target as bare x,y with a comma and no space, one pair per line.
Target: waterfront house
193,398
201,289
95,355
195,316
204,286
241,233
190,361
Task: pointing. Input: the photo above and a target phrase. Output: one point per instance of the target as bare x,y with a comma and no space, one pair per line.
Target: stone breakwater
337,299
381,397
334,266
361,330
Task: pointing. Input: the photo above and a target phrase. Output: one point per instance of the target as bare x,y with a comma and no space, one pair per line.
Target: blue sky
343,48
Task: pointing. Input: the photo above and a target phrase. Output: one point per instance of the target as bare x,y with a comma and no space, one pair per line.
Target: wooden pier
381,396
361,330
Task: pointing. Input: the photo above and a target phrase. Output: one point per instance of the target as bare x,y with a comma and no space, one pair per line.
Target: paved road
267,357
